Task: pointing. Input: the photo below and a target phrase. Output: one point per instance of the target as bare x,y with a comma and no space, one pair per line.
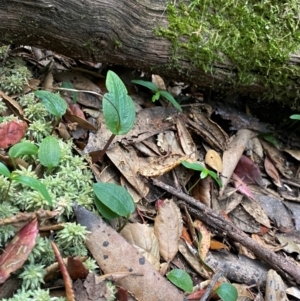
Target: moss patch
257,37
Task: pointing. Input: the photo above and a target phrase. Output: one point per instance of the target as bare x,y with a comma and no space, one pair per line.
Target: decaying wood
109,31
281,264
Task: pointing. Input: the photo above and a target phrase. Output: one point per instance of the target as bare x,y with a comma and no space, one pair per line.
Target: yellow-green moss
257,37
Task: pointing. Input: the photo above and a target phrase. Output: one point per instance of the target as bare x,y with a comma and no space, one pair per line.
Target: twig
284,266
211,286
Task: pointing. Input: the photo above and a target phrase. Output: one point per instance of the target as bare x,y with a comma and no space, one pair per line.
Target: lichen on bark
254,38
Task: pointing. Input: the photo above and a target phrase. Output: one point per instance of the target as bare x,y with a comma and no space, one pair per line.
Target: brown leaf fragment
277,158
158,81
275,287
186,140
114,254
168,228
13,104
76,269
11,133
256,211
272,172
18,250
161,165
142,237
232,155
205,238
67,279
92,289
202,191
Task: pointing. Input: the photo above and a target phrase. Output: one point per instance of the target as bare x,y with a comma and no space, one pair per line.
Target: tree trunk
118,32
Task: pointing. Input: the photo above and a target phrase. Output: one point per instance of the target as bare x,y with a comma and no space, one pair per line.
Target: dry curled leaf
272,172
168,228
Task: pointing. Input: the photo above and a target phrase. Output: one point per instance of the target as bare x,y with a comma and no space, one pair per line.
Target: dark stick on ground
285,267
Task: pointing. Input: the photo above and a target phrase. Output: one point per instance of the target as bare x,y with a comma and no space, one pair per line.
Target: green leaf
171,99
22,149
118,107
115,197
69,85
194,166
4,171
53,103
204,171
49,152
146,84
104,210
35,184
181,279
296,116
227,292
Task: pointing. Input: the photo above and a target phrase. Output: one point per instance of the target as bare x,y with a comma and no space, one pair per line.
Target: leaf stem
109,141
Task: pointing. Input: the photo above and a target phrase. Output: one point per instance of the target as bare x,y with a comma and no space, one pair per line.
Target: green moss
255,37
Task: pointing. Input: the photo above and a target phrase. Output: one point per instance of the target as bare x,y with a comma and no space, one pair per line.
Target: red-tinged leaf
196,295
272,172
248,171
122,294
76,269
18,250
67,279
241,186
11,133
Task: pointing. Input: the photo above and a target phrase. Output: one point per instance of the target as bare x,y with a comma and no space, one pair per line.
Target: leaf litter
161,138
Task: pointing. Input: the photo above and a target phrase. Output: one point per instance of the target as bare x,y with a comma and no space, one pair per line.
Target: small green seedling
181,279
53,103
113,201
158,92
49,153
295,117
118,109
22,149
204,171
28,181
227,292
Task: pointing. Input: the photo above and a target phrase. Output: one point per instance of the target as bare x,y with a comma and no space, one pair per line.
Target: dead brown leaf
213,159
11,133
168,228
114,254
142,237
272,172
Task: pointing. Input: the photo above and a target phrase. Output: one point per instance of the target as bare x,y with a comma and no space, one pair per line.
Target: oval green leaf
115,197
53,103
22,149
295,116
69,85
118,107
181,279
35,184
227,292
194,166
49,152
4,171
104,210
171,99
146,84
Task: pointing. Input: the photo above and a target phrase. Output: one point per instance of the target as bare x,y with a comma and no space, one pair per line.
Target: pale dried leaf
295,153
256,211
186,140
160,166
275,288
168,228
114,254
142,237
213,159
158,81
232,155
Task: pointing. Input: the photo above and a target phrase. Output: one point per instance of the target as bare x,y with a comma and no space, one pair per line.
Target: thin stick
279,263
211,286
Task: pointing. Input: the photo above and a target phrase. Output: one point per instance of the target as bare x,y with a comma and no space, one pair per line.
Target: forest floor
192,201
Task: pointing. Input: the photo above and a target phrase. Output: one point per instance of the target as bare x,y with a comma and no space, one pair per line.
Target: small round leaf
227,292
49,152
22,149
181,279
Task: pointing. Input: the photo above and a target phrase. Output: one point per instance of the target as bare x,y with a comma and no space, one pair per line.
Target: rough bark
110,31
